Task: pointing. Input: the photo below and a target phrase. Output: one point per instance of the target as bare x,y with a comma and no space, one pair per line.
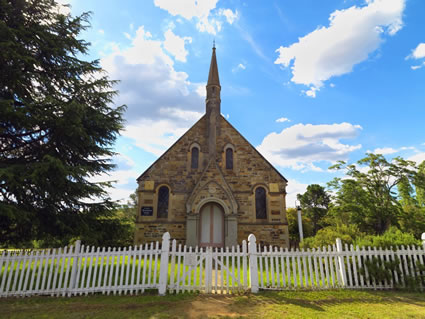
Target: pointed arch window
260,203
163,201
229,158
195,158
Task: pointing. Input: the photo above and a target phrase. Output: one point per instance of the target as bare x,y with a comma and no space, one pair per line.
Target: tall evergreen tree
57,125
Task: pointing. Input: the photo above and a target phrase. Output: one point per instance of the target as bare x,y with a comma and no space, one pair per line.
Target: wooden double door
211,232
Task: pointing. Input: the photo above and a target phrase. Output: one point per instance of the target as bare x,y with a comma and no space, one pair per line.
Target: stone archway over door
212,226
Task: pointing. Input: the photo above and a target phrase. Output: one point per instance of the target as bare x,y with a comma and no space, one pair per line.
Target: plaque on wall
274,187
147,211
149,185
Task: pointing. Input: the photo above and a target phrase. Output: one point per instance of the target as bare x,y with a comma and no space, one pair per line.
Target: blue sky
306,82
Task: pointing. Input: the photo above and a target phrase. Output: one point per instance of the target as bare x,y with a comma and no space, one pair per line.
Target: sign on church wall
147,211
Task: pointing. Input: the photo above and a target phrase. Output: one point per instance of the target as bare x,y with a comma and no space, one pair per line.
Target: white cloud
161,102
239,67
201,90
101,31
294,187
283,119
156,136
300,146
311,92
127,35
418,158
418,53
415,67
64,6
188,9
352,35
175,45
385,150
229,14
200,11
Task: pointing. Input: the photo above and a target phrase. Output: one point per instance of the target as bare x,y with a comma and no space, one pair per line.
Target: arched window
229,158
260,203
163,199
195,157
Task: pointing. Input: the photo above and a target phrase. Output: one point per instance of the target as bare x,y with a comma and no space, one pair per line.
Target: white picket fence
334,267
78,270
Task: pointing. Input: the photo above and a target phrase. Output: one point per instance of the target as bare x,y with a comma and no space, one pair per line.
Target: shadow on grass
319,300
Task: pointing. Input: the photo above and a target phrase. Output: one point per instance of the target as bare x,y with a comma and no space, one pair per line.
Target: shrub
328,235
391,238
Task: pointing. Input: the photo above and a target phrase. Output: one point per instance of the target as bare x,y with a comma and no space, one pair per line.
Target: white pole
300,224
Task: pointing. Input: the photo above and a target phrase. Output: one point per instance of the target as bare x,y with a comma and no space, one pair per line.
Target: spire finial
214,44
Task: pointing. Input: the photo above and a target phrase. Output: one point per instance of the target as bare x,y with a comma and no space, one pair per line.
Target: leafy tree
419,184
350,205
57,126
412,216
315,203
376,186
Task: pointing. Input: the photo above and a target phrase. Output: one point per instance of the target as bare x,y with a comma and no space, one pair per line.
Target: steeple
213,84
213,103
213,78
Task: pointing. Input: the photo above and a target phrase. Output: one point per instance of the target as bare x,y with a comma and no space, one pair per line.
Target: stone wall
151,232
266,234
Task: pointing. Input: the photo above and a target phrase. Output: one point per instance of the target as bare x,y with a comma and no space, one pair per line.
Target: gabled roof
178,140
255,149
232,128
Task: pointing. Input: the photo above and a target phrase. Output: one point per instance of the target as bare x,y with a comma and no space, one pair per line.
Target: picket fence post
341,264
253,273
163,270
73,282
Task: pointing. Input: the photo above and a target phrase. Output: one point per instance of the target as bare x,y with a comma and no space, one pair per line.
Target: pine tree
57,125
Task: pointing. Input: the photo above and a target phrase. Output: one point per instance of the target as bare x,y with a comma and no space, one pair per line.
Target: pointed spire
213,78
213,102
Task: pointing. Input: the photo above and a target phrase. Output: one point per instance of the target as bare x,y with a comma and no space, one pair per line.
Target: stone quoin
212,187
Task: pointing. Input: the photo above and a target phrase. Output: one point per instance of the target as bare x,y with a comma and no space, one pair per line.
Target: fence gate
209,270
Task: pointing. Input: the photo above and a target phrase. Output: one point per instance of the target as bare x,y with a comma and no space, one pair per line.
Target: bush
391,238
328,235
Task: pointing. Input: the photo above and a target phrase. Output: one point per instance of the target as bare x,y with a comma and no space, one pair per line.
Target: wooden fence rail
79,269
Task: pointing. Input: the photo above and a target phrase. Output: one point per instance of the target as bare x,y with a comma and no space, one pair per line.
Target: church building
212,187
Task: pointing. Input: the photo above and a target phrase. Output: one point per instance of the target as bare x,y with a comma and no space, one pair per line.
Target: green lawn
289,304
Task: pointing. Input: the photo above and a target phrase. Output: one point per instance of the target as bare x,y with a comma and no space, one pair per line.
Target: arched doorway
211,226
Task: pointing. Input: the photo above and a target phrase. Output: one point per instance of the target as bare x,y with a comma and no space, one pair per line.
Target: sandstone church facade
212,187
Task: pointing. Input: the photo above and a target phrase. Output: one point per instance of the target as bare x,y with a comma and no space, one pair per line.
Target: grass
289,304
